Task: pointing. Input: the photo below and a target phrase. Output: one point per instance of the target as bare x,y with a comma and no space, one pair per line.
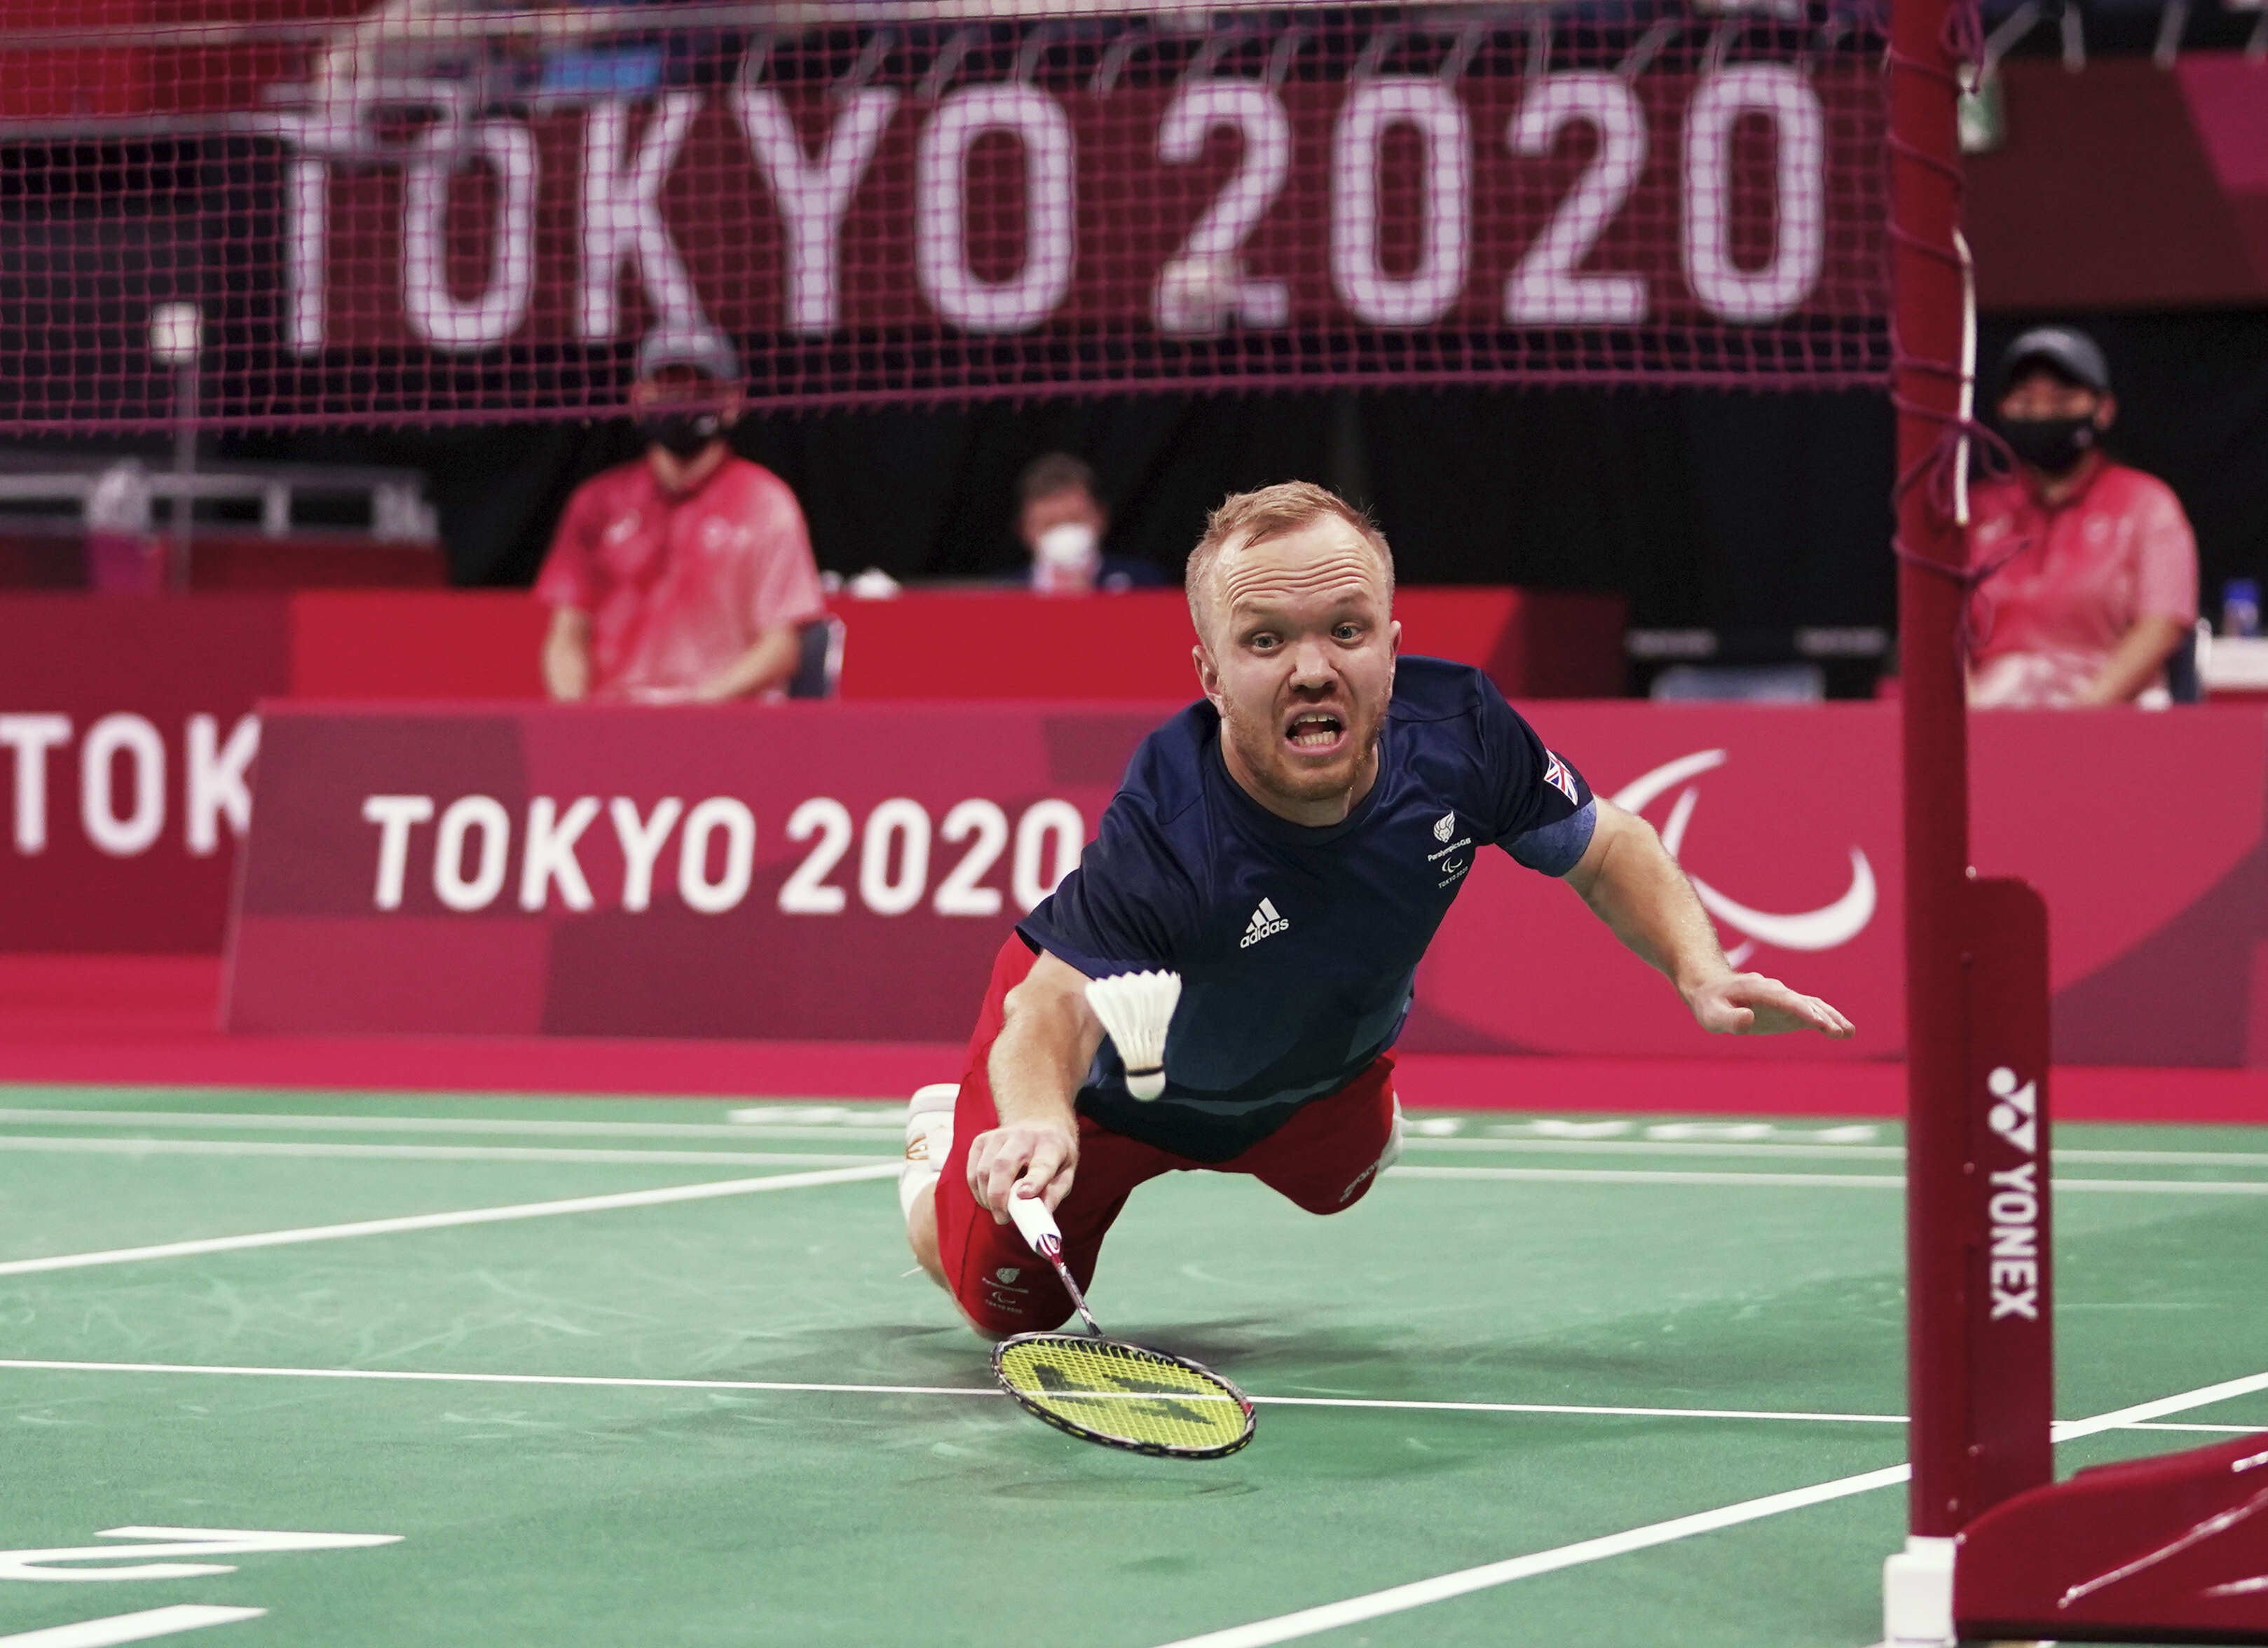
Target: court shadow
1178,1482
1268,1351
935,1353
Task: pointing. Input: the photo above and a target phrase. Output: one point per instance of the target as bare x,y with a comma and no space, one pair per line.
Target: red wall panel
171,662
134,851
874,893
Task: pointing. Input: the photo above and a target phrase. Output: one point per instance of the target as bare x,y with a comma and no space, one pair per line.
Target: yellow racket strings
1121,1391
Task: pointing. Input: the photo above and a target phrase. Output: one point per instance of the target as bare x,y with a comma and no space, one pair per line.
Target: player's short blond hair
1269,511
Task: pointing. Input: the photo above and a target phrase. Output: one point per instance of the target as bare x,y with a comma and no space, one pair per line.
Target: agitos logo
1823,928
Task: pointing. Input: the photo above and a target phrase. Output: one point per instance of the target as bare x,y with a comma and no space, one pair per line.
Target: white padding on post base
1918,1596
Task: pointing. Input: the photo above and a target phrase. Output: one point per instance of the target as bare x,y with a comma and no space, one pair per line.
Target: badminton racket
1106,1390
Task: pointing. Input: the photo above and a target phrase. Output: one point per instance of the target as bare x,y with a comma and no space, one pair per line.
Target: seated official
1062,522
2097,570
685,576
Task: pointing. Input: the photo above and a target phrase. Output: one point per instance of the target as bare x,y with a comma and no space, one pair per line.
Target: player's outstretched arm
1632,884
1047,1041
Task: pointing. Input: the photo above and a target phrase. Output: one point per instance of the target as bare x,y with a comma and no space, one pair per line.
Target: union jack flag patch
1560,779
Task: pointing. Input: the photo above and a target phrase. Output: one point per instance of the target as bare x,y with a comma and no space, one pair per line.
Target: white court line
416,1377
253,1122
2173,1186
45,1144
1821,1152
2220,1430
606,1381
1651,1175
1659,1147
1838,1181
42,1145
663,1197
1565,1408
2164,1157
887,1124
2141,1413
130,1628
1399,1599
609,1382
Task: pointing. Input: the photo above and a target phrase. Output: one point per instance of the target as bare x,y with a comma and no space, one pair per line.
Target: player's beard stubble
1263,752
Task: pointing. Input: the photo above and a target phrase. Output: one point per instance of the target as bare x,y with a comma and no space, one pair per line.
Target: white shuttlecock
1136,1008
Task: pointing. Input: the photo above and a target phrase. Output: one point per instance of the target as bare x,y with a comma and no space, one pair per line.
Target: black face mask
684,433
2052,445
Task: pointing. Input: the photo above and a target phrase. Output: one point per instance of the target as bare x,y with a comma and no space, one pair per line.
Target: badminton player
1289,846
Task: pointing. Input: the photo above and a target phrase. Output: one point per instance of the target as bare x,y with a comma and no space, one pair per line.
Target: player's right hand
1022,1159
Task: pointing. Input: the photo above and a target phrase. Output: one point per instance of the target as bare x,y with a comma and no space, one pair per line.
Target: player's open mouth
1315,732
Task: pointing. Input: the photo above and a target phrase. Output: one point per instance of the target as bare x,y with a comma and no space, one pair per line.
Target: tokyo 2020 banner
794,871
847,871
926,227
1004,209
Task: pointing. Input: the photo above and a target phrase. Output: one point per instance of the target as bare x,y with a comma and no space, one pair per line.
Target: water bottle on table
2239,607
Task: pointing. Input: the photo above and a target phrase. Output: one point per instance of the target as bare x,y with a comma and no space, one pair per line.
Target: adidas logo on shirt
1265,923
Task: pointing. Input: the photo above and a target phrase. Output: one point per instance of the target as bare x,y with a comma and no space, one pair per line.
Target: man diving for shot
1289,847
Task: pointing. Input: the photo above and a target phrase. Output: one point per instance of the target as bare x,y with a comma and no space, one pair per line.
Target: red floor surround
149,1021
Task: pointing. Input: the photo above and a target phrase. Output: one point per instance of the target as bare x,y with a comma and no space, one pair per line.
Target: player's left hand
1750,1004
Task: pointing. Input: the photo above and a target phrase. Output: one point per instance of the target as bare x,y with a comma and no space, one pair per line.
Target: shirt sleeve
1128,907
2165,583
787,590
565,579
1545,813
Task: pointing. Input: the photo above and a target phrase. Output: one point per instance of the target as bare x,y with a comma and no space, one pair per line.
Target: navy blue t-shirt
1297,947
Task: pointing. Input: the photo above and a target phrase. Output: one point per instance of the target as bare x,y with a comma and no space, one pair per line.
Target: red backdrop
151,673
2144,832
2173,170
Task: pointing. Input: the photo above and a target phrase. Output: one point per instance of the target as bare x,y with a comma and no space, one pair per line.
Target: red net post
1980,1330
1927,308
1928,303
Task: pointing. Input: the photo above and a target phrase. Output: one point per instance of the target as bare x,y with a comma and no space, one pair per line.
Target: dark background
1706,509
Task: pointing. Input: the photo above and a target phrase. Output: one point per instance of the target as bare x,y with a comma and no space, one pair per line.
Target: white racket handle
1033,1218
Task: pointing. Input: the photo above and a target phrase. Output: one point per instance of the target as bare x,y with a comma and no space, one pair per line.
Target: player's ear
1208,677
1394,637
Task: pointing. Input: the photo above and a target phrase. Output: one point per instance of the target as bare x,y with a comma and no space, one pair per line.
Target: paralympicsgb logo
1446,825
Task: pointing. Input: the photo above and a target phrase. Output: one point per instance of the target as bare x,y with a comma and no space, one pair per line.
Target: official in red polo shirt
684,577
2096,579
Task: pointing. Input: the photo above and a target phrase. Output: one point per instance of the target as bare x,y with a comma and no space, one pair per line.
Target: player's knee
989,1323
1388,1155
921,1236
1011,1300
1326,1201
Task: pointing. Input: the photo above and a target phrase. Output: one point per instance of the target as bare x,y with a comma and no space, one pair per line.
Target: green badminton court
589,1371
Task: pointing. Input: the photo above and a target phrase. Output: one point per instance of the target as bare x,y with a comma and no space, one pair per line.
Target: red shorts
1324,1158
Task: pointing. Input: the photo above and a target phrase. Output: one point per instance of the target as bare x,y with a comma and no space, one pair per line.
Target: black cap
2070,352
697,348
